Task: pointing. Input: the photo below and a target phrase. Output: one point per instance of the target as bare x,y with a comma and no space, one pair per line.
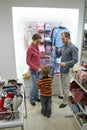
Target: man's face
65,39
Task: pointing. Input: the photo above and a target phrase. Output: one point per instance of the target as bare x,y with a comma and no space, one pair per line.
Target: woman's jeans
34,92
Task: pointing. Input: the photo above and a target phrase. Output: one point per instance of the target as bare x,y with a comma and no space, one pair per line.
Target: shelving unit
80,85
83,126
84,111
77,121
22,113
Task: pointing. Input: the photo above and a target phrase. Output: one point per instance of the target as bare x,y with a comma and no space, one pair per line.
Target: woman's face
37,42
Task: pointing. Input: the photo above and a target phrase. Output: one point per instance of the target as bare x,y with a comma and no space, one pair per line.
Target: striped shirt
44,84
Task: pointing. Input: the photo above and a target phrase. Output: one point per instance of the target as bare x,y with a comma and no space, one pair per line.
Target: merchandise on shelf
10,99
48,27
78,102
40,27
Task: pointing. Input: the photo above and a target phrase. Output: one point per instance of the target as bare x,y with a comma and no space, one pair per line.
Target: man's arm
74,60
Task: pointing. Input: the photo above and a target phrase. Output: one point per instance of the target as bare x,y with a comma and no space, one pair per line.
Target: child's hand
39,69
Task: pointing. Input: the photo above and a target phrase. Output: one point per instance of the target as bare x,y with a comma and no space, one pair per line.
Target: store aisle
36,121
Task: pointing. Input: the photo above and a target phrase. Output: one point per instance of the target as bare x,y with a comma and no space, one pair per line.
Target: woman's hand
39,69
47,56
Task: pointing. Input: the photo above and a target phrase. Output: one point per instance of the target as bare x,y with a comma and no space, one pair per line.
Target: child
44,84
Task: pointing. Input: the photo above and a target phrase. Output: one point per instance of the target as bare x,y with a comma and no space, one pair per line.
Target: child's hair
45,70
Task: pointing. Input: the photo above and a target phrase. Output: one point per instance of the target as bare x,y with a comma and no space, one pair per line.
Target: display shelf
13,123
82,125
80,85
77,121
73,79
84,110
22,113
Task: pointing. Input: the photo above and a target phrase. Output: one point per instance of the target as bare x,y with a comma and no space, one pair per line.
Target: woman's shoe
33,104
38,100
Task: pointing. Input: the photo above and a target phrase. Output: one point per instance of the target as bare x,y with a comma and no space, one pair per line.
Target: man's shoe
48,116
62,105
60,96
33,104
38,100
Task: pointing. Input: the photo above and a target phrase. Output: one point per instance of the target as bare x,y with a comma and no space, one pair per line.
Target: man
69,57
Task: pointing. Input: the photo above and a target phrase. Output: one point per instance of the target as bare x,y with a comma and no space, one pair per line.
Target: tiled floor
58,120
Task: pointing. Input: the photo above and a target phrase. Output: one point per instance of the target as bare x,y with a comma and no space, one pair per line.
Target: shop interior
20,114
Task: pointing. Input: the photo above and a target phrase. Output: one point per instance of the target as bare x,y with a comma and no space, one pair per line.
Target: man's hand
63,64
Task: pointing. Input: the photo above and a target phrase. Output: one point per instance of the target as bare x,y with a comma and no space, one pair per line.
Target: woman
33,61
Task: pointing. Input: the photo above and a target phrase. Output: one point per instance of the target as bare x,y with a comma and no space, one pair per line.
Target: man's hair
36,37
45,70
67,34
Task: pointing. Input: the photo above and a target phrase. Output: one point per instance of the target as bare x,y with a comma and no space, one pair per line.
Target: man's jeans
34,92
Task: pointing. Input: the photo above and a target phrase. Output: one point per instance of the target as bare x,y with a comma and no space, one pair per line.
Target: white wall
7,55
56,16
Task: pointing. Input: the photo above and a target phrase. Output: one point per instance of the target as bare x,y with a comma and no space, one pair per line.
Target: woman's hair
36,37
45,70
